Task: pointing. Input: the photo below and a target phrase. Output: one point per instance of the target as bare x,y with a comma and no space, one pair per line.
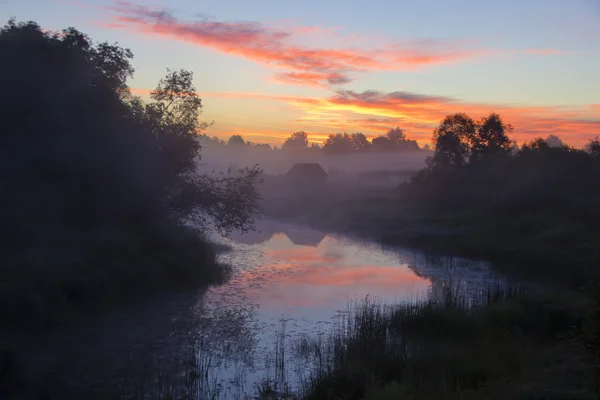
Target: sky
267,68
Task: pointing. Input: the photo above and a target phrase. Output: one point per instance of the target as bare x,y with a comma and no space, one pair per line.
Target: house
306,173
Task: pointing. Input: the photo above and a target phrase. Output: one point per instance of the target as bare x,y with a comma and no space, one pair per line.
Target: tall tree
298,141
338,143
75,137
452,141
491,138
554,141
593,147
382,144
236,141
360,143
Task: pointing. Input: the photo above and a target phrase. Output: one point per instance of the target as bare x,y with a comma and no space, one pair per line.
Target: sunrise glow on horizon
265,69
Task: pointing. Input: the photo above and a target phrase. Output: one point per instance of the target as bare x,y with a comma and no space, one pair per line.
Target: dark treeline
537,201
394,141
533,211
95,183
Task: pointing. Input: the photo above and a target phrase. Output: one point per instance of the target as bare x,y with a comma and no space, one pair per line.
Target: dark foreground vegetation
96,185
505,342
512,344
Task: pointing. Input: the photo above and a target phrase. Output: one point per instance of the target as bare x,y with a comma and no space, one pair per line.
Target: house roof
306,170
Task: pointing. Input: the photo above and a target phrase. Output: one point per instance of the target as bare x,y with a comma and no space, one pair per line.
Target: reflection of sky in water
279,271
304,277
311,283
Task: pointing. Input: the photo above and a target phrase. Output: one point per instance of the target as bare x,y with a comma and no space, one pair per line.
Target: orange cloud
374,113
274,47
419,115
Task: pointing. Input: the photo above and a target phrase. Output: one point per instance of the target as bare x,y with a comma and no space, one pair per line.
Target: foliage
458,140
452,141
357,143
338,143
458,345
395,141
87,169
593,147
491,138
295,143
236,141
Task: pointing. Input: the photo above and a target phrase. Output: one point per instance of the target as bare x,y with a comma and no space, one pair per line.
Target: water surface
284,277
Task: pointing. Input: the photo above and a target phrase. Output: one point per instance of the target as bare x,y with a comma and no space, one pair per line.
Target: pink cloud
306,65
545,52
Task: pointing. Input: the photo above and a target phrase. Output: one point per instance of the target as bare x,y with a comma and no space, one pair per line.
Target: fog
278,162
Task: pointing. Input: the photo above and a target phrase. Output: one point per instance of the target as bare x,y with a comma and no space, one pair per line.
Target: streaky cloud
306,65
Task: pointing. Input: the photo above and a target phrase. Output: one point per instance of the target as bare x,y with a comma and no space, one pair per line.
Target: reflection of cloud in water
281,277
306,280
234,325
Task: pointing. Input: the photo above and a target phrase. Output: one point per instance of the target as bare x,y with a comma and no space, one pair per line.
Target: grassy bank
85,273
537,245
511,345
503,343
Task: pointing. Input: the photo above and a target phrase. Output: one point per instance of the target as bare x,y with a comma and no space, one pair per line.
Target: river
287,282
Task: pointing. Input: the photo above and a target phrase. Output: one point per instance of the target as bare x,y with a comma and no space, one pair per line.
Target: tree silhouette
382,144
490,138
338,143
298,141
236,141
98,157
554,141
452,141
593,147
395,140
360,143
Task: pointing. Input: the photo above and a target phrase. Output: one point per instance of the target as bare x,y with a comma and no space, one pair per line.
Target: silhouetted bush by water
95,183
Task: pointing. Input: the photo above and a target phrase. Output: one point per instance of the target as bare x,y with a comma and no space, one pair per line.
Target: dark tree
382,144
452,141
491,138
296,143
395,140
400,142
554,141
360,143
236,141
79,153
593,147
338,143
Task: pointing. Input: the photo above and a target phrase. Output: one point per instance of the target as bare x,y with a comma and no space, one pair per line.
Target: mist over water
288,282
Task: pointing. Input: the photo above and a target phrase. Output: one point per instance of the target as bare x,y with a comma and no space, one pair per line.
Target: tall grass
501,342
454,344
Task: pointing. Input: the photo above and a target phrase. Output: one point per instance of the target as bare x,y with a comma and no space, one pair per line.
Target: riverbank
495,356
547,247
514,344
53,285
101,273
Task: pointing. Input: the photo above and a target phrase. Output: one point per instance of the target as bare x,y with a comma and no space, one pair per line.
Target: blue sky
269,68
